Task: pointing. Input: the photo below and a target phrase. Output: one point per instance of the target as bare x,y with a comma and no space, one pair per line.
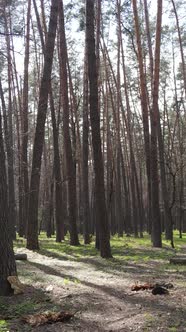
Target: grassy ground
132,259
123,249
128,245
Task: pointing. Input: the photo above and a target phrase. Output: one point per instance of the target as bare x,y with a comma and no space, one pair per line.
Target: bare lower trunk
7,259
156,220
32,232
102,220
71,174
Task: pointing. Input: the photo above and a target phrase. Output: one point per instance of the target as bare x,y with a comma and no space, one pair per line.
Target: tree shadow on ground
137,267
34,301
124,295
52,254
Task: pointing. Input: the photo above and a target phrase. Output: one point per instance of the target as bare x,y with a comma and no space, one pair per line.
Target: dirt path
99,292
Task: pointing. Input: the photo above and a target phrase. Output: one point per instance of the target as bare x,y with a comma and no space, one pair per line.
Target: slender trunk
118,108
58,179
156,220
147,24
7,259
9,140
57,167
77,141
66,134
85,151
102,220
24,158
32,232
144,104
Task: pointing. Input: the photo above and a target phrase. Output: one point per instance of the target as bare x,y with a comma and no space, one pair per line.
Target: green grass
14,310
4,326
126,248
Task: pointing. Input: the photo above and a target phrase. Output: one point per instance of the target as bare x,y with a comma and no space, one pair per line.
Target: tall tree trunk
127,221
71,174
18,120
24,158
9,140
167,211
32,232
102,219
57,167
128,121
119,214
85,151
168,217
7,259
144,104
147,24
77,143
156,220
58,179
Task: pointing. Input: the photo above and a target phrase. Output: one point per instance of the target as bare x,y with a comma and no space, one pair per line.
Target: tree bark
119,215
24,148
144,104
156,221
57,166
7,259
32,232
58,179
66,134
85,151
102,219
9,139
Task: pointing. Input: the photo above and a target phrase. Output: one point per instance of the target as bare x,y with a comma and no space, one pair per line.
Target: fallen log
178,260
47,318
20,257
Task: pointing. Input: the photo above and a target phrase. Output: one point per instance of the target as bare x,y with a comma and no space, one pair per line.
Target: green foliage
173,329
3,326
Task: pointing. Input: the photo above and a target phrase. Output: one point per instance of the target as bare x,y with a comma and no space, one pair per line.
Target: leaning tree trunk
102,219
7,259
57,167
32,232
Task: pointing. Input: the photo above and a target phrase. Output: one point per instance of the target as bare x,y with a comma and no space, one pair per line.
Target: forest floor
98,291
